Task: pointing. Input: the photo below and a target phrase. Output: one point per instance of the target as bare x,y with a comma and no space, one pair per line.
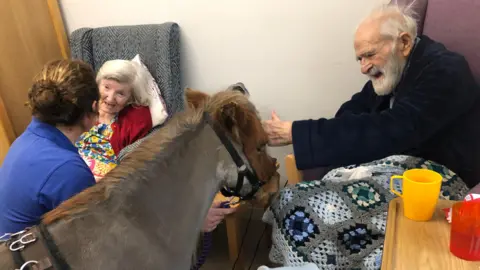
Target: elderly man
421,100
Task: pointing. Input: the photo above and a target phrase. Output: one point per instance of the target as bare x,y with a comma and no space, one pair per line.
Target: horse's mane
197,104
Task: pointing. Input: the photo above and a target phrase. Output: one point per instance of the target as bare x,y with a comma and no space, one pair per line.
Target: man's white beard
391,75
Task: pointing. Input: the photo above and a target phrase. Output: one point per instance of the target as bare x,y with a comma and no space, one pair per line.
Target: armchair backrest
453,23
419,8
456,25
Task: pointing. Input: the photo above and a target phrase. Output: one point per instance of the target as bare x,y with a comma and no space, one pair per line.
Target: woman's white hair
396,19
125,71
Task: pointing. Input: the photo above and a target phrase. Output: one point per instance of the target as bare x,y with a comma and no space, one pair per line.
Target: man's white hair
125,71
395,19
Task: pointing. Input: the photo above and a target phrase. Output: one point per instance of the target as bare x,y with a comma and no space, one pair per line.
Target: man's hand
279,132
215,216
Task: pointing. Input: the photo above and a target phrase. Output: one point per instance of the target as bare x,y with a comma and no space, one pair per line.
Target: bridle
243,170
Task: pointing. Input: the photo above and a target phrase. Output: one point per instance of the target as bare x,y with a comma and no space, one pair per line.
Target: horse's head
239,119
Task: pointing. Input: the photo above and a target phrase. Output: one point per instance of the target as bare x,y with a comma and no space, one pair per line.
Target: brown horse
147,212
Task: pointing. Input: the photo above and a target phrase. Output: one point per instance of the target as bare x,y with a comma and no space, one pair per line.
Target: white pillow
158,110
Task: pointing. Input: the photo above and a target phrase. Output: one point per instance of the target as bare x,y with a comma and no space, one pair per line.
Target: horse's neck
154,216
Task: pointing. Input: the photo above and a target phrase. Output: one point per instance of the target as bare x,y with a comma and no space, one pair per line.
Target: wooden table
420,245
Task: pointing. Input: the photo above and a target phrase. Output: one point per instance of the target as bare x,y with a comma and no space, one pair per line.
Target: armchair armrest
475,189
295,175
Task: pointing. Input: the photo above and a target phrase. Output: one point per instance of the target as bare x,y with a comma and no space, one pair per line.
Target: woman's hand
215,216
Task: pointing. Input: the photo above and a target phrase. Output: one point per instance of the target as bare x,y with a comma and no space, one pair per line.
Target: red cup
465,231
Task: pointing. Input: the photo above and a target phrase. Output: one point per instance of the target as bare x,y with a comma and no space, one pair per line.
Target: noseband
243,170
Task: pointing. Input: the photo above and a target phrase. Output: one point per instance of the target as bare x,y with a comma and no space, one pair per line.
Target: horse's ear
232,117
239,87
195,98
227,115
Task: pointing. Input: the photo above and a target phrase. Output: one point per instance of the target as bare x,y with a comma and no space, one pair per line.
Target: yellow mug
420,192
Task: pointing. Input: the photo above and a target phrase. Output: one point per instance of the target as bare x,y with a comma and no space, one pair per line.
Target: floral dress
95,149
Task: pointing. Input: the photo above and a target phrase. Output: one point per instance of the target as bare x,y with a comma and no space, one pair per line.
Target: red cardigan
133,123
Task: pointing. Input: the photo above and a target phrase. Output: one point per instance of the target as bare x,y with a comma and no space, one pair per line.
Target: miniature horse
147,212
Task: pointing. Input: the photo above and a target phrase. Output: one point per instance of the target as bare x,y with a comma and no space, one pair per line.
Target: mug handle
391,184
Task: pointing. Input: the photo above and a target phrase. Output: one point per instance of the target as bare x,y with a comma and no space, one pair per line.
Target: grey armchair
157,44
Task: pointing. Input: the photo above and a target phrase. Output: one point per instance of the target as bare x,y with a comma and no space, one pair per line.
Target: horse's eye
261,148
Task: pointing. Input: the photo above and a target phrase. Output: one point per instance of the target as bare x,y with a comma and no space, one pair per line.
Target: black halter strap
34,248
243,170
58,260
17,257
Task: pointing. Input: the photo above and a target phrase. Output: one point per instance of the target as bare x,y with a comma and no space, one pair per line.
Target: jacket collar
50,133
417,51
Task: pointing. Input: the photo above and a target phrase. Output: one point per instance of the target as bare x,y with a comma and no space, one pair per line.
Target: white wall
294,56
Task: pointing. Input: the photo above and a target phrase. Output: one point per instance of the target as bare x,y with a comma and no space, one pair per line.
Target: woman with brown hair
43,167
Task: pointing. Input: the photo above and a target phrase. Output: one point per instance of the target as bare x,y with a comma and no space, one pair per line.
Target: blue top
41,170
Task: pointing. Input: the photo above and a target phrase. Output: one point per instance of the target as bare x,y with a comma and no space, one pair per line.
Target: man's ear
195,98
406,44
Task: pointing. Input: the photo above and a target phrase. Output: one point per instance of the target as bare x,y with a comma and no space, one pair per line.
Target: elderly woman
124,117
42,168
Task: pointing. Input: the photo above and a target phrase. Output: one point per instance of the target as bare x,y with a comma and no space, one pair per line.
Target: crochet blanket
339,222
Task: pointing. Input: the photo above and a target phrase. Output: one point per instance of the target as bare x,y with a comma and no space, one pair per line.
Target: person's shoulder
44,163
66,180
134,111
29,148
442,71
134,115
72,170
437,56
